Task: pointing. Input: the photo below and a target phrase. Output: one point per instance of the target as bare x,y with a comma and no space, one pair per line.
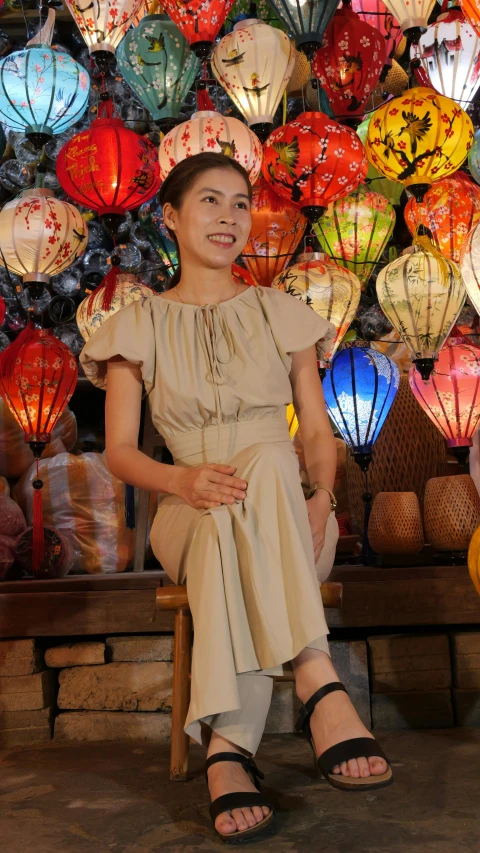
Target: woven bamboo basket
395,525
408,452
451,512
300,76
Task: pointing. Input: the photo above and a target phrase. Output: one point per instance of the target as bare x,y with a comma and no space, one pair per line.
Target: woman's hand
319,509
207,486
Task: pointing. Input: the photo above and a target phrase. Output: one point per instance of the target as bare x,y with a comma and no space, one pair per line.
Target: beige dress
217,378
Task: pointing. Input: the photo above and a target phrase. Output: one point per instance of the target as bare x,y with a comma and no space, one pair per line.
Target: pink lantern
375,13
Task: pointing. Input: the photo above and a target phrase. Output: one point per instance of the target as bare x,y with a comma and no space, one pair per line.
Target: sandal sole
261,830
358,784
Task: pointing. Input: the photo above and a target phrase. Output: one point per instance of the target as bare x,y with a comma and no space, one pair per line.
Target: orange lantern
277,228
199,21
471,10
38,374
449,210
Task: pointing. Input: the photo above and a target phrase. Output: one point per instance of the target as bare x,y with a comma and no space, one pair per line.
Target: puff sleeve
294,325
130,333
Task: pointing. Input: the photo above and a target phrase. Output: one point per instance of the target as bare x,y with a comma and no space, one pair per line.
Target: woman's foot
228,777
334,719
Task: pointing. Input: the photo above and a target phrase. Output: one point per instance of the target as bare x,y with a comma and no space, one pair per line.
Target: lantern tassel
129,507
108,286
8,358
38,545
204,101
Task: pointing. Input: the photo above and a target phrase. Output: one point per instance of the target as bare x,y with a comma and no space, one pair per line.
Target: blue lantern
151,220
42,92
158,65
474,157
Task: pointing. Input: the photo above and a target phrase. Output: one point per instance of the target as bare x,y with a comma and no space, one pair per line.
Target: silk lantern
41,235
199,21
355,230
100,305
103,23
449,210
151,219
375,181
42,92
331,291
375,13
158,65
451,398
38,374
313,161
422,295
471,266
349,63
109,168
418,138
277,228
474,157
207,130
471,10
412,17
305,20
449,52
253,64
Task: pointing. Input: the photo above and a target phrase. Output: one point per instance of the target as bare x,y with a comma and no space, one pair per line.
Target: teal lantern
158,65
151,220
306,20
42,92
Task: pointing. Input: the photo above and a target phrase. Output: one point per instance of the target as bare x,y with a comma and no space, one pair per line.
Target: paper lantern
41,235
422,296
449,210
471,266
474,157
158,65
412,17
375,181
109,168
151,219
92,311
277,228
254,63
306,21
449,52
419,138
471,10
207,130
355,230
103,23
330,290
451,397
349,63
42,92
375,13
313,161
199,21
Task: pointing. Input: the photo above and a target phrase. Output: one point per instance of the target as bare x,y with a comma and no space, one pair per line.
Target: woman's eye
243,205
210,198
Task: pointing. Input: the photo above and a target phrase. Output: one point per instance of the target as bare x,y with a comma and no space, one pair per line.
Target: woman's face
213,223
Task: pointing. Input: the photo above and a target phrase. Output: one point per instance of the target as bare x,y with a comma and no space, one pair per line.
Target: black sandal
357,747
241,800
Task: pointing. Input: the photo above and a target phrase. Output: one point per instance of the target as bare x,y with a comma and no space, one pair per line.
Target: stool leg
182,656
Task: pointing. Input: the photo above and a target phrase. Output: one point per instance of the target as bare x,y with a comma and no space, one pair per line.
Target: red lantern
349,63
313,161
109,168
38,374
375,13
451,397
199,21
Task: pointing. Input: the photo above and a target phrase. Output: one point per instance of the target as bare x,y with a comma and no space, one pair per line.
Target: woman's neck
206,286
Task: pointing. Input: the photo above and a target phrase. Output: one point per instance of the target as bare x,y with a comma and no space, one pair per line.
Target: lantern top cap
312,256
37,191
247,22
206,114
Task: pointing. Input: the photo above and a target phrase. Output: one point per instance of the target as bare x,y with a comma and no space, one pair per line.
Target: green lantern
355,230
392,190
158,65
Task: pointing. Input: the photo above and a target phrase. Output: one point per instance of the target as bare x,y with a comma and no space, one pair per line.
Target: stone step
19,657
112,726
146,648
27,692
117,687
75,654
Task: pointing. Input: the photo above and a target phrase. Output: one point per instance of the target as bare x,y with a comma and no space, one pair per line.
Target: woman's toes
239,819
363,767
249,817
226,824
336,769
344,769
265,811
377,766
257,813
353,768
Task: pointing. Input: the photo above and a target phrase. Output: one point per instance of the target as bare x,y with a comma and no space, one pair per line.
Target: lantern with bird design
375,13
254,63
158,65
449,52
330,290
42,92
355,230
419,138
449,210
41,235
313,161
306,21
413,18
109,168
199,21
422,294
103,23
277,228
349,63
375,181
207,130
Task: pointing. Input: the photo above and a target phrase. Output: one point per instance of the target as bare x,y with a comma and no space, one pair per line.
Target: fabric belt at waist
227,439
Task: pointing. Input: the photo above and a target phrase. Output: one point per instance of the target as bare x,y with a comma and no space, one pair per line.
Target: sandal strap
239,800
248,765
307,709
356,747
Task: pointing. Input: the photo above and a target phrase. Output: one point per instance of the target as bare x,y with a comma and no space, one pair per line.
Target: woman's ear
169,216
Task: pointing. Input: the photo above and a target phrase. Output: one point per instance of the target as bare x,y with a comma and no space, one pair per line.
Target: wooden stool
175,598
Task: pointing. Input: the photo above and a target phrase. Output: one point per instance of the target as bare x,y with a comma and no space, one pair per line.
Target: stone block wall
27,695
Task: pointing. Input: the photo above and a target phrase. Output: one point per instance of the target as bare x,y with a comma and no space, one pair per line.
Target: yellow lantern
419,138
331,290
422,294
412,17
254,63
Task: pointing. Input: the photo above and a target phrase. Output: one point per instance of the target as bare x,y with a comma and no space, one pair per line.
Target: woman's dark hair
183,176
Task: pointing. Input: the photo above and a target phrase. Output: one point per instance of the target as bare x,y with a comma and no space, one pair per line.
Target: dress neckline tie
211,326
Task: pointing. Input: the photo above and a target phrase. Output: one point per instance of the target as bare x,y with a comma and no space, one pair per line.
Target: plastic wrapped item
4,488
58,554
84,502
69,335
130,257
7,555
16,456
15,177
12,519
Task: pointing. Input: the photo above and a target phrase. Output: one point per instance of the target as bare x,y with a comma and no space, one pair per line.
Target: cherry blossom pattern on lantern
103,23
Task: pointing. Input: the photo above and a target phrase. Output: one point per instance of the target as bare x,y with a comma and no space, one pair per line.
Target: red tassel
204,101
267,197
38,545
109,286
8,358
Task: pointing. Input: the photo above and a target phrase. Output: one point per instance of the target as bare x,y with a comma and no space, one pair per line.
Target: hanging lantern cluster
449,55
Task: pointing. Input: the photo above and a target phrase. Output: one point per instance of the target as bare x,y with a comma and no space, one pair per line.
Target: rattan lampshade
451,512
395,524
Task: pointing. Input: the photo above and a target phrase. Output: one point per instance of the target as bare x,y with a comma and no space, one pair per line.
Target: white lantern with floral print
103,23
